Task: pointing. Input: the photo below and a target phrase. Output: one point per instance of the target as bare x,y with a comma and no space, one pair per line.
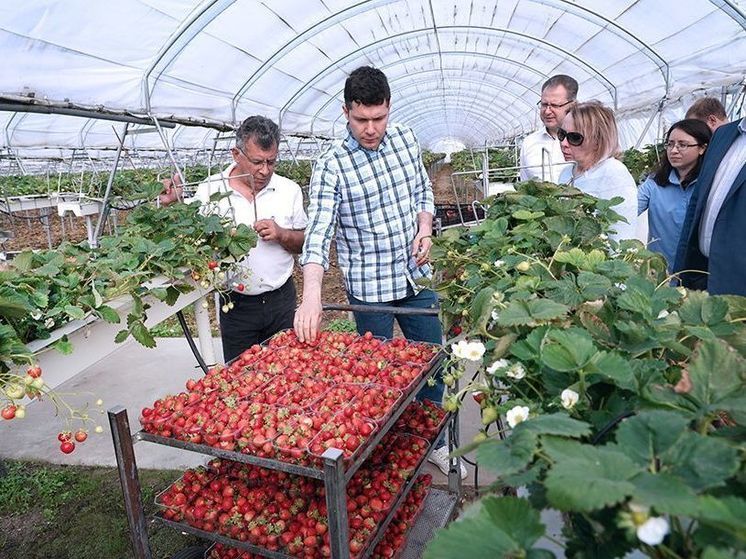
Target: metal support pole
125,453
336,503
204,333
485,172
109,183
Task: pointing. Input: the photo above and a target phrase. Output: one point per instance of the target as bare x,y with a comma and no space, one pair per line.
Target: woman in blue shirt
666,193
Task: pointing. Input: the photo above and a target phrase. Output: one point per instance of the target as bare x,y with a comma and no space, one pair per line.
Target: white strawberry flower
603,236
653,530
517,372
663,314
516,415
474,351
498,365
499,263
569,398
494,315
621,286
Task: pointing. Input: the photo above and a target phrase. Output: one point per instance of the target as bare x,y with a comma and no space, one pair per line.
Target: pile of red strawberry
283,512
396,533
289,400
422,418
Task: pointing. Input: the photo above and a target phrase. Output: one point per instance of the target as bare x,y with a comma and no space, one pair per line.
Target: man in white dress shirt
541,156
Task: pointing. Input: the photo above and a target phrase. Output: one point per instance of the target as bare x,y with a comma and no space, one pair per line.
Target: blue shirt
666,207
373,198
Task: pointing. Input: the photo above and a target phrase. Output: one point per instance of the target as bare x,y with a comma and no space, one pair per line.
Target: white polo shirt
268,265
531,157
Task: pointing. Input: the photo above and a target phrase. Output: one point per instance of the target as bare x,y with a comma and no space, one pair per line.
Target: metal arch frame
431,124
367,5
488,30
623,33
466,108
467,136
733,11
300,38
476,93
488,56
179,39
470,116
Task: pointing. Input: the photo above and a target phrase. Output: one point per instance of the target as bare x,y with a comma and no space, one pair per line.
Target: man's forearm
292,240
424,223
313,275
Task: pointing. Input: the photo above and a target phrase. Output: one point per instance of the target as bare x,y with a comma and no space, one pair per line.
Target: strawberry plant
42,290
623,395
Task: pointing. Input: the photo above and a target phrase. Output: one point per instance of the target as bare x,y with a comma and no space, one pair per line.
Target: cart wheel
193,552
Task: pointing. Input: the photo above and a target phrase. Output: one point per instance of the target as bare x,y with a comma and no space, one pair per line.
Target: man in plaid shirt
373,187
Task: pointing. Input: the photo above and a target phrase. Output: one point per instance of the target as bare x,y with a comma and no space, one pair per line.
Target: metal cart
438,509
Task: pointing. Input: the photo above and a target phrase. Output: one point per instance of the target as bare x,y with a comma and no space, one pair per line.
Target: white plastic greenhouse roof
464,72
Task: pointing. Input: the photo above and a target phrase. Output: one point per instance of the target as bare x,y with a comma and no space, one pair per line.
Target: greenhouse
426,244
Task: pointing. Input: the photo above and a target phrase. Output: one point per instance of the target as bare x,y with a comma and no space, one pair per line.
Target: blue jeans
421,328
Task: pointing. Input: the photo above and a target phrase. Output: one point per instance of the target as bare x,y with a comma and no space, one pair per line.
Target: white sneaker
439,457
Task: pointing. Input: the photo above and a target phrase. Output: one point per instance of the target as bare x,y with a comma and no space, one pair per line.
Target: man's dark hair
367,86
264,132
707,106
570,84
698,130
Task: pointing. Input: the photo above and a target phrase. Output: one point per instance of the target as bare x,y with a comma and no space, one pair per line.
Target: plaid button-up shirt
373,198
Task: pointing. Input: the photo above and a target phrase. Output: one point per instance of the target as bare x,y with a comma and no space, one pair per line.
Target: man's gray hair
264,132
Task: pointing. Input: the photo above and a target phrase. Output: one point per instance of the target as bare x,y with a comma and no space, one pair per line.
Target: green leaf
141,333
727,514
716,373
529,348
97,299
172,295
664,493
63,345
615,367
714,553
568,350
14,305
76,313
121,336
481,306
593,286
701,462
508,456
493,527
528,313
108,314
525,215
648,435
559,424
595,479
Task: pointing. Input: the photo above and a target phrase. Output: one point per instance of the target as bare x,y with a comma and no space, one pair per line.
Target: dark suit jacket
727,262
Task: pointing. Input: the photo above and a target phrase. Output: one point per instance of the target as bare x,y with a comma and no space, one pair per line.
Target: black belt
284,288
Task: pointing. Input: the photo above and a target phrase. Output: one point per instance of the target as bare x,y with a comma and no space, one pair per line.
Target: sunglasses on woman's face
573,138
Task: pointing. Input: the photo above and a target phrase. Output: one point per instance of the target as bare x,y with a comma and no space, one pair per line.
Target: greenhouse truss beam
610,87
23,104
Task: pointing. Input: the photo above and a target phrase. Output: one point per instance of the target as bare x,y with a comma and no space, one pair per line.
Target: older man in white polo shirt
264,303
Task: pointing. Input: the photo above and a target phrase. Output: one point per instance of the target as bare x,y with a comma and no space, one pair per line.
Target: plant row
622,395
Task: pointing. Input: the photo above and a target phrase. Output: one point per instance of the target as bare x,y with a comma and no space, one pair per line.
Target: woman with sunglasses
666,193
589,137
